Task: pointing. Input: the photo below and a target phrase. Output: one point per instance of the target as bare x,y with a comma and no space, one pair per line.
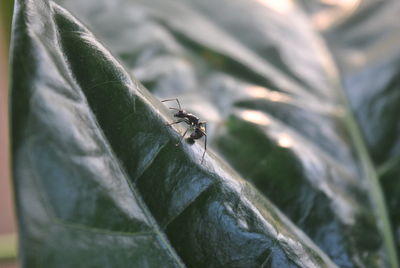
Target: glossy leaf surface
274,103
99,180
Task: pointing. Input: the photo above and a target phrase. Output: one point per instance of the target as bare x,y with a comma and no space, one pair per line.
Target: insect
197,127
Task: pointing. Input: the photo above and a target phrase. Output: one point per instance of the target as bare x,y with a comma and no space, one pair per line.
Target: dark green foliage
100,182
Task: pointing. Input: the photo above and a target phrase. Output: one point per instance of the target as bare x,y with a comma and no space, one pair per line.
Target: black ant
198,127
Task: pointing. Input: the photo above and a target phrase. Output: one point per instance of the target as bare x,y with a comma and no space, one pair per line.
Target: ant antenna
173,100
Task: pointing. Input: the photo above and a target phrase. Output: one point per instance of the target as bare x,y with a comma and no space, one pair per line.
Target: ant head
180,113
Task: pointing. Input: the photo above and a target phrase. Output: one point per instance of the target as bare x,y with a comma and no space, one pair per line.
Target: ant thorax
191,118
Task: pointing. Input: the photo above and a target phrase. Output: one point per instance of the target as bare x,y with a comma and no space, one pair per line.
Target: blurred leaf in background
6,11
364,38
8,237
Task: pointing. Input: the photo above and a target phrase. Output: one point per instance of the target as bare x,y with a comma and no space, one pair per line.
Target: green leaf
368,59
99,181
5,21
261,76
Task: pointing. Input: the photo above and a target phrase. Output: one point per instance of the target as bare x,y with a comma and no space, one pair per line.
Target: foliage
98,176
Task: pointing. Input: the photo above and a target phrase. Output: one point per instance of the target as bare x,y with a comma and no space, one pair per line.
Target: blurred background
8,231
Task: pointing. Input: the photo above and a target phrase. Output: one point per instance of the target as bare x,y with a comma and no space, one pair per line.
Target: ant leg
180,140
205,148
205,139
173,100
173,123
